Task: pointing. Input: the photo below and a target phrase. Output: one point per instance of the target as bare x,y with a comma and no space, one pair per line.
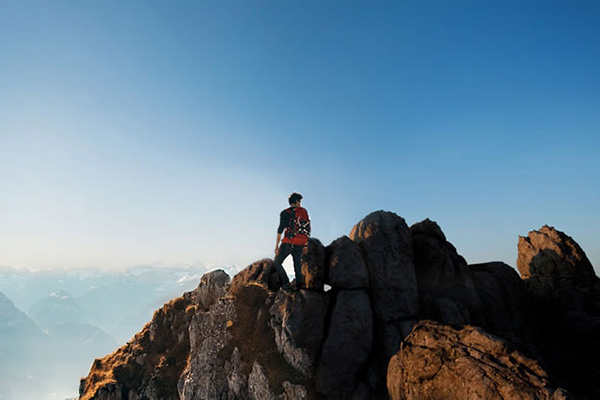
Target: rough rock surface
298,322
313,265
506,302
386,243
550,260
441,362
261,272
446,289
347,345
213,285
234,352
346,267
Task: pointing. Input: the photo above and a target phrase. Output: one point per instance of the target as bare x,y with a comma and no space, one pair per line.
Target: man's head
295,199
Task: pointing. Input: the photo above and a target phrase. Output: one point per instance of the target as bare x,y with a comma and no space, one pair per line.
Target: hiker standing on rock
296,224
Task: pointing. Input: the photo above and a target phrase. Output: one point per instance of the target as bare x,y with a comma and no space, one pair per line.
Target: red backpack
298,223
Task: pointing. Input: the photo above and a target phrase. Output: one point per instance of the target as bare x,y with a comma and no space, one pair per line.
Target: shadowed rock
441,362
386,244
506,302
347,345
298,322
347,270
445,282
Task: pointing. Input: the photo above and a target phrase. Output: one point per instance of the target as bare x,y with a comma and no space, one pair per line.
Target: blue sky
172,132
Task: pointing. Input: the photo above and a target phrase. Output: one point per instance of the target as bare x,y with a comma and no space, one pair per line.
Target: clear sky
155,132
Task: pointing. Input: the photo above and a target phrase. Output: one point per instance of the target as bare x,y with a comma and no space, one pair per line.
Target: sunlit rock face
438,361
364,303
549,260
149,366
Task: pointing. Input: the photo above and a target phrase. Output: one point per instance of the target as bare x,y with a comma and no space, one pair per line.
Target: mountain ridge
245,339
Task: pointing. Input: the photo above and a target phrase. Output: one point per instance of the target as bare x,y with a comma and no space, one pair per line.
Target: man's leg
297,255
284,250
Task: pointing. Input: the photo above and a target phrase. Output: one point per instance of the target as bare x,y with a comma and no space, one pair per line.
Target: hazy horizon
151,133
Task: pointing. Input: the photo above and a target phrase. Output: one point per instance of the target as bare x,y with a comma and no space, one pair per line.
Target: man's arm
283,223
277,243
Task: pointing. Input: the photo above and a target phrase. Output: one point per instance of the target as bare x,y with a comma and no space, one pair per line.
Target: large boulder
549,260
261,272
438,361
298,323
347,345
386,244
446,288
437,263
213,285
346,268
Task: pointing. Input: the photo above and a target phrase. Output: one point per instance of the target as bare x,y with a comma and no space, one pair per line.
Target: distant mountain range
54,323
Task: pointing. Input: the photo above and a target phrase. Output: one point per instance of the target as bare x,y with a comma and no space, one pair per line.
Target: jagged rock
234,350
440,362
236,380
261,272
258,384
209,333
147,366
212,286
347,345
445,282
313,265
386,244
298,322
550,260
347,269
294,392
506,302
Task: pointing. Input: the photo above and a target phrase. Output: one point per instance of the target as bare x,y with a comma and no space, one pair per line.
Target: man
296,224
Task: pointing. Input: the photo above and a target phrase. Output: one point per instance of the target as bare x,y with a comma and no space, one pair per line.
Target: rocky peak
249,340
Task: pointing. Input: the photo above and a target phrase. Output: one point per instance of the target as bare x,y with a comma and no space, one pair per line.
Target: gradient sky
154,132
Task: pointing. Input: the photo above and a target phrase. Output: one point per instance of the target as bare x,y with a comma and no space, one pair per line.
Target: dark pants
296,251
